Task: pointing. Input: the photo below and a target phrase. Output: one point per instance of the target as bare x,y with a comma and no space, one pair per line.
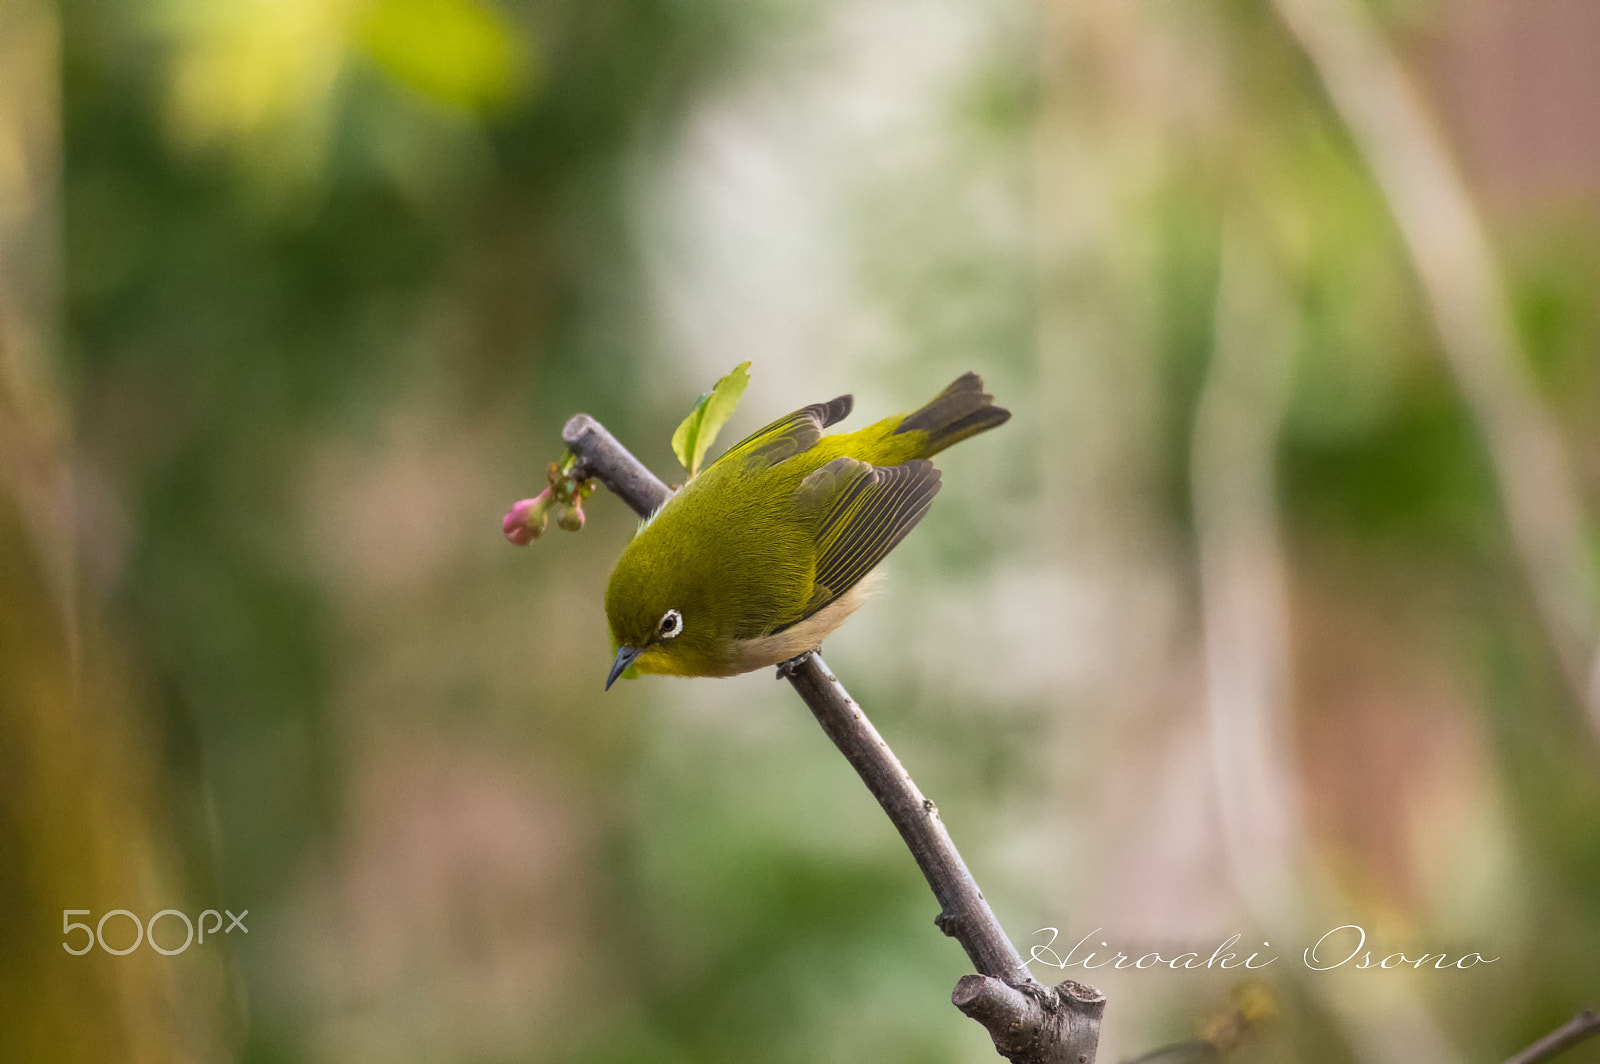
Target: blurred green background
1272,609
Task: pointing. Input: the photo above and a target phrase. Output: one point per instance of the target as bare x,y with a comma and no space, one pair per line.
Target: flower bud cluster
528,517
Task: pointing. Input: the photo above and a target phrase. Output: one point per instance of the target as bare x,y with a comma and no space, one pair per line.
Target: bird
772,546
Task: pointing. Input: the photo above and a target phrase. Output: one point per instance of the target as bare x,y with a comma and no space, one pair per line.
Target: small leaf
699,430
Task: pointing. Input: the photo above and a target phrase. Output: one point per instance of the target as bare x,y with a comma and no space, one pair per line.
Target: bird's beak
625,656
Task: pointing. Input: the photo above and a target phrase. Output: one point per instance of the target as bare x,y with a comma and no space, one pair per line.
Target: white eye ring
671,624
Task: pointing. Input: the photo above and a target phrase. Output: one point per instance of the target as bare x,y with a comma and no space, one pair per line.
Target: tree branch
1029,1022
600,456
1583,1026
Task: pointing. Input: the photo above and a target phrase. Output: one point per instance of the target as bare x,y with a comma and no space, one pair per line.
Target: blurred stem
1450,249
35,429
1029,1022
1245,624
1244,596
84,813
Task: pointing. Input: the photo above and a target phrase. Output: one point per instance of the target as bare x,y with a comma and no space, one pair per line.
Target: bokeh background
1272,609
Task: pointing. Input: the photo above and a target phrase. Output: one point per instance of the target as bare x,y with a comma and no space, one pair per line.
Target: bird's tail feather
960,411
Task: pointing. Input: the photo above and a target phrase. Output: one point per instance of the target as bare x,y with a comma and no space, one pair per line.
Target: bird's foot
786,668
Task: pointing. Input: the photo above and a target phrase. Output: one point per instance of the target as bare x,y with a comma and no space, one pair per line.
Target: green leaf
699,430
462,54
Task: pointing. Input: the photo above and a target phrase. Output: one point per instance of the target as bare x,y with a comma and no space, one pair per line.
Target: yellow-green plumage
764,552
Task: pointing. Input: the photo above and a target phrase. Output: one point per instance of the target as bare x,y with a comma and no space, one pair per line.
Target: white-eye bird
758,558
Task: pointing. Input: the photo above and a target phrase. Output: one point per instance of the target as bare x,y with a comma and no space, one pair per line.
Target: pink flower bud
526,519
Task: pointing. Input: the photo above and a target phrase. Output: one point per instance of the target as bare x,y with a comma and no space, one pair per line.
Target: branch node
1034,1024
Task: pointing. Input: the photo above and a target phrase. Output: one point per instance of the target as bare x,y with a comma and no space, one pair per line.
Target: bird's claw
786,668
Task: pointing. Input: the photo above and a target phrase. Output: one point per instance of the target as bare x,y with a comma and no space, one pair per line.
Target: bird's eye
671,624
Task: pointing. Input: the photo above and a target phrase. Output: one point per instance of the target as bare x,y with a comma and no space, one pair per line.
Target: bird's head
661,618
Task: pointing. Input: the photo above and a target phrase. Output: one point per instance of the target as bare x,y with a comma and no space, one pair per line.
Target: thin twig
1195,1051
1580,1028
1029,1022
965,915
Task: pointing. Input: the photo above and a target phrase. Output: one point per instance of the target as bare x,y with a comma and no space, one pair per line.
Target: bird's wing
859,512
790,435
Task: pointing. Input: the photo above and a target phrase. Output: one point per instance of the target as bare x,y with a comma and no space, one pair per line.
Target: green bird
757,559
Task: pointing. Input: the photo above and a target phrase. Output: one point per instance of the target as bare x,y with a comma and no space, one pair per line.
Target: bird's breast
777,647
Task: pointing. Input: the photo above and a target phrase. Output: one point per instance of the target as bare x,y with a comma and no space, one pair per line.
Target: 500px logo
144,931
